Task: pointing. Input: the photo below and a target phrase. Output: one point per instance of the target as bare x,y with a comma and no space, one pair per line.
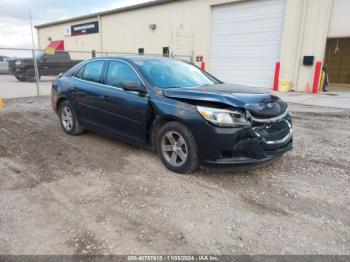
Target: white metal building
240,41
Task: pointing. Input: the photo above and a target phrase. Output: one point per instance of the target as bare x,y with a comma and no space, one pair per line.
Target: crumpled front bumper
242,148
254,156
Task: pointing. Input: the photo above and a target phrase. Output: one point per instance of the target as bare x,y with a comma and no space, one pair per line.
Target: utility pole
33,54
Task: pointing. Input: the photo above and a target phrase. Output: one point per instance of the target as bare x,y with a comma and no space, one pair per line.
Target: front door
126,112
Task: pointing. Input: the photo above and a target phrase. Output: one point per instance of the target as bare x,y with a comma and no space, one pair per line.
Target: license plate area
277,133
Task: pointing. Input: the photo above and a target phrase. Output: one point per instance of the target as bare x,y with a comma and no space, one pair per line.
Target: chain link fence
27,72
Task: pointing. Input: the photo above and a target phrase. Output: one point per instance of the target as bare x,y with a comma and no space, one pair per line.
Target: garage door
339,25
246,41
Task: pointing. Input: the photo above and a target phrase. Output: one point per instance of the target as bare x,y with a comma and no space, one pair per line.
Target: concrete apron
330,99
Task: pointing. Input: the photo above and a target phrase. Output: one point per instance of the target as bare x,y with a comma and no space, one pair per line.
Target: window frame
82,68
106,64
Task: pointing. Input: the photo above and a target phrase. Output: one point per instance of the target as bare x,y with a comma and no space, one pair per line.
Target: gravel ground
93,195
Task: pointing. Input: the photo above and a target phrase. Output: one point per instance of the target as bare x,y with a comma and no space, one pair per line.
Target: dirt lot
93,195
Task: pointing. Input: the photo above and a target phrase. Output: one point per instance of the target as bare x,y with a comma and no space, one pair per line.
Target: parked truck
48,64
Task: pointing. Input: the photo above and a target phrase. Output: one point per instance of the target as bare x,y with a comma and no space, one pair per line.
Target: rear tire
69,120
177,148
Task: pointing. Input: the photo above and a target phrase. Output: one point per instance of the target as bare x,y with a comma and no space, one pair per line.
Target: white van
4,66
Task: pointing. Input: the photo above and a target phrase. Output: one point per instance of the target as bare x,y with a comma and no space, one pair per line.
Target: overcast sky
14,19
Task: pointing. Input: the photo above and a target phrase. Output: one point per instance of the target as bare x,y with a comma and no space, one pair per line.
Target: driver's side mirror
134,87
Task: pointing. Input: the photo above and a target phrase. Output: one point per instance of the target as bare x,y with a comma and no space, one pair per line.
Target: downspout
100,33
328,19
300,41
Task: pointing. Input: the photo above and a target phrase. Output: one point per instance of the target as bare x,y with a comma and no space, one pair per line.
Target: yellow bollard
323,78
2,103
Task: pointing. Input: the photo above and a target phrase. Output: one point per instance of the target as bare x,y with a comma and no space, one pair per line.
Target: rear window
92,72
80,73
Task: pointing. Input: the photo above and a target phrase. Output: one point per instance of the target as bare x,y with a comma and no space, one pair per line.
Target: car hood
257,101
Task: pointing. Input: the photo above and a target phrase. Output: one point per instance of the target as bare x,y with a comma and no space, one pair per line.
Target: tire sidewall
30,75
19,77
67,104
191,162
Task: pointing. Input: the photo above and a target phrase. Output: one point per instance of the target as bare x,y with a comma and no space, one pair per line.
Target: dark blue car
188,116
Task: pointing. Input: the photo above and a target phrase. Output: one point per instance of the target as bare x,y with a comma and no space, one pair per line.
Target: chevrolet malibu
172,107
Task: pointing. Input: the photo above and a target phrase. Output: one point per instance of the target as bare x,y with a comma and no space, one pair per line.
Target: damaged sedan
185,114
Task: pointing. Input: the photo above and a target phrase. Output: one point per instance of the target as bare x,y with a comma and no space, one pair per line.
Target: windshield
39,55
167,73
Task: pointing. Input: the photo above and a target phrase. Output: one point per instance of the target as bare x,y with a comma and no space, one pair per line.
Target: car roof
135,58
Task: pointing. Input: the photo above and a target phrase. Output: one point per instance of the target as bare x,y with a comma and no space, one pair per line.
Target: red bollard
317,77
277,76
203,65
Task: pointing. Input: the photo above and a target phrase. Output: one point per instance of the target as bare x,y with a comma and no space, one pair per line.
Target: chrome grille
275,133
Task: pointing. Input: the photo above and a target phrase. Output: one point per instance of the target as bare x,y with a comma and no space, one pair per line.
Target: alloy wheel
174,148
67,118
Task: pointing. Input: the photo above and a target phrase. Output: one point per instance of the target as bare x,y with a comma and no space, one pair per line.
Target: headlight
17,62
223,117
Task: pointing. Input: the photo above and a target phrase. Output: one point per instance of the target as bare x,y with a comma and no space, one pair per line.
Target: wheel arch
59,102
157,124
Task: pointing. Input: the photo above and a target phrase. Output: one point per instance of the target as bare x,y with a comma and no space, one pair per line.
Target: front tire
69,120
30,75
20,78
177,148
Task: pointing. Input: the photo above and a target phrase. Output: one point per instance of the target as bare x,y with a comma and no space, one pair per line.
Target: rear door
88,93
55,64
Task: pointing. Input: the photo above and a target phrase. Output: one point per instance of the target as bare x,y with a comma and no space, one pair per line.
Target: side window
120,73
93,71
62,57
80,73
1,59
49,58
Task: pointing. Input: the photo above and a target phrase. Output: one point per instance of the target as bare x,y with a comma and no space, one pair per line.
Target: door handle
77,91
104,97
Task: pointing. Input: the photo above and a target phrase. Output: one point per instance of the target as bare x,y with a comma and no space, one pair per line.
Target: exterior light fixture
153,26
